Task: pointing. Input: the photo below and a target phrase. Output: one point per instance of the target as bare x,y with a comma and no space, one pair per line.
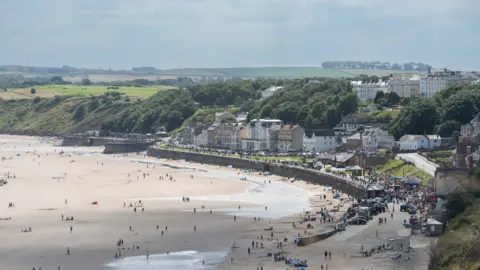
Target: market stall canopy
353,168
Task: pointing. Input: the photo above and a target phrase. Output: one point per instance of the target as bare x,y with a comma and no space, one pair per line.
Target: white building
405,85
258,137
320,141
308,143
227,135
375,138
200,139
415,142
437,81
366,92
270,91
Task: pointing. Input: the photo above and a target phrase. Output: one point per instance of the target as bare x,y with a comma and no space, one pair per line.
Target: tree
308,123
318,109
286,112
56,79
33,91
79,113
418,117
447,128
332,117
174,120
378,95
461,107
348,104
86,81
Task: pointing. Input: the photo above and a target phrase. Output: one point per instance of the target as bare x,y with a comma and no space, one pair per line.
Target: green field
46,91
384,116
399,168
373,72
296,72
205,116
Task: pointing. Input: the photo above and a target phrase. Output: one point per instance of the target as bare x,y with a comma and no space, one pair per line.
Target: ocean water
184,260
281,199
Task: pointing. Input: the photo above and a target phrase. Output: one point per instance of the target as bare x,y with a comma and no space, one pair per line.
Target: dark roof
324,132
340,157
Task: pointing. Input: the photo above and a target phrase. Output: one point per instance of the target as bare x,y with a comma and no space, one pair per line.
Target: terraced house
290,138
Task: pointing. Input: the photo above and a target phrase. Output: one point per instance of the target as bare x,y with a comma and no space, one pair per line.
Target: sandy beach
46,182
45,185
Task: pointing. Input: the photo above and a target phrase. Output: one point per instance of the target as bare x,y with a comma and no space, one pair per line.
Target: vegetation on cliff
313,105
443,114
459,247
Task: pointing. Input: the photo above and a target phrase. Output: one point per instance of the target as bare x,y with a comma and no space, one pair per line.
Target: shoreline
40,183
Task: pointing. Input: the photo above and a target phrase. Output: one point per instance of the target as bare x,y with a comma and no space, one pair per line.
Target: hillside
110,112
51,90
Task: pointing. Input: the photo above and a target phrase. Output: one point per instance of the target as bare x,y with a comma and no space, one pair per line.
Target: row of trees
311,105
443,114
411,66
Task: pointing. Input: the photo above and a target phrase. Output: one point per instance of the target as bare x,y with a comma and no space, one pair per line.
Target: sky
121,34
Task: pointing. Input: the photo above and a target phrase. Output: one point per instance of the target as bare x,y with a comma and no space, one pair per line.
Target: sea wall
84,141
308,240
126,147
312,176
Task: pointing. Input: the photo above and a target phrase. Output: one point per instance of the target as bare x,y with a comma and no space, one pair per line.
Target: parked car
404,208
357,221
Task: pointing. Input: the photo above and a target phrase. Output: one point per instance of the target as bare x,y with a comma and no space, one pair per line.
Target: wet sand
40,188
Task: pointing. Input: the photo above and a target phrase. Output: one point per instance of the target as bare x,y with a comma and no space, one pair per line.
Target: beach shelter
433,227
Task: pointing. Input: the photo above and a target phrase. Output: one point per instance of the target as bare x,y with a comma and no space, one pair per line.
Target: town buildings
325,141
258,137
290,138
366,92
405,85
351,123
376,138
436,81
416,142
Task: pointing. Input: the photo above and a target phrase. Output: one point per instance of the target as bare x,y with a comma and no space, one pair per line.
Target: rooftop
412,137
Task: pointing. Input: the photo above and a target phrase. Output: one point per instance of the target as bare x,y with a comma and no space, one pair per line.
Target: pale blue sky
233,33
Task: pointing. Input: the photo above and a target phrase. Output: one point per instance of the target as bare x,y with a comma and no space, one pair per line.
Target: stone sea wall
126,147
308,240
308,175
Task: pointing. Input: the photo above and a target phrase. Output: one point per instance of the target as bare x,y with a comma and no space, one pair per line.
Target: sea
280,198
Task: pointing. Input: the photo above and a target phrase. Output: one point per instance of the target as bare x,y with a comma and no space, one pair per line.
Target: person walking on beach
194,228
148,254
157,227
326,254
71,229
166,228
234,218
330,255
68,251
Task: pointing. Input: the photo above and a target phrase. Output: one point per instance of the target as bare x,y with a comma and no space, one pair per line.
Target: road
420,162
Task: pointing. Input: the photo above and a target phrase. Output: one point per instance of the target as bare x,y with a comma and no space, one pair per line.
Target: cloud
208,33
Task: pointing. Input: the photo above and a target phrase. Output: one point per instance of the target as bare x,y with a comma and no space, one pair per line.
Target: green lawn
442,158
205,115
96,90
399,168
384,116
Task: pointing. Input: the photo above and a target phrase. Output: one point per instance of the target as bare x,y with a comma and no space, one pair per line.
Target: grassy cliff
112,111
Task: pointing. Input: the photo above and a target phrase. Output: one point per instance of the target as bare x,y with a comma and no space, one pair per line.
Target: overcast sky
234,33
